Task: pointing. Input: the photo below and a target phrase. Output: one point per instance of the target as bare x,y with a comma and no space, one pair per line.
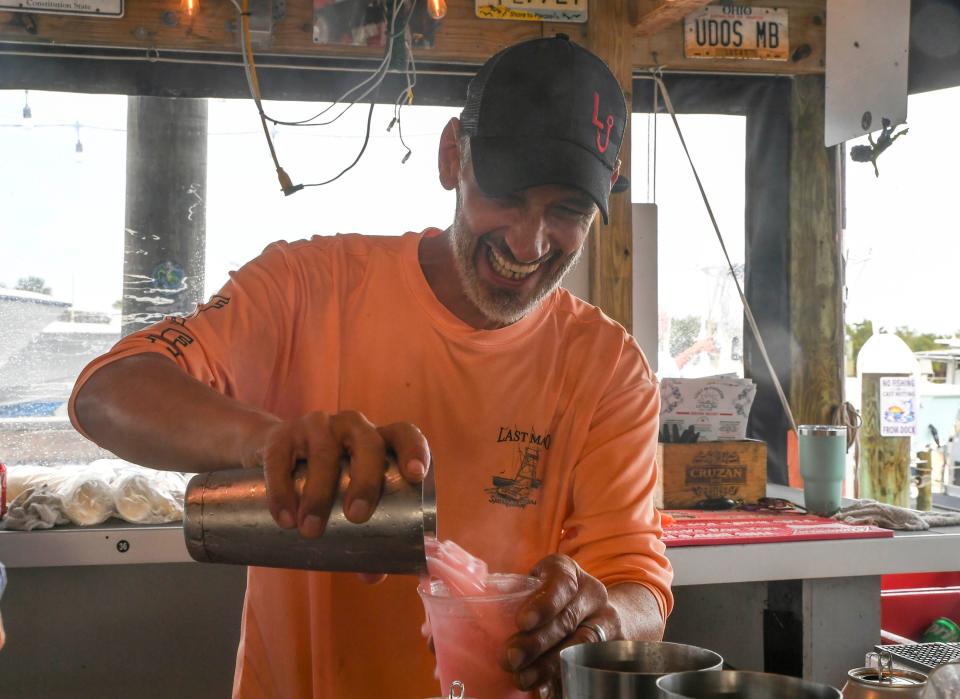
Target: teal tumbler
823,457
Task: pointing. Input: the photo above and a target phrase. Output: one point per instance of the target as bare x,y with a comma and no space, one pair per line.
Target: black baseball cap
545,111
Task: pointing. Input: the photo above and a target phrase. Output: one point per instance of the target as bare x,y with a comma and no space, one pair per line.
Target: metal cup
736,684
226,519
823,454
627,669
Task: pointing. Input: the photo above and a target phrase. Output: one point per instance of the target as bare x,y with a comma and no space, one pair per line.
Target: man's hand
556,616
320,440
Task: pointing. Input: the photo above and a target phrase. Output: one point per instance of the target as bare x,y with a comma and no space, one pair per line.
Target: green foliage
919,342
858,333
35,284
683,333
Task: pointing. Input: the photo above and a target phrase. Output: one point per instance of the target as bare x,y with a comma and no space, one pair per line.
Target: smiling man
454,348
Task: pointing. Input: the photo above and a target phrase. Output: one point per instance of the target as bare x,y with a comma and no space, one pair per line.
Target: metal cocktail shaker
226,520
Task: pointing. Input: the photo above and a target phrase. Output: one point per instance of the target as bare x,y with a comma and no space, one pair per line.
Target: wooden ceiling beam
651,16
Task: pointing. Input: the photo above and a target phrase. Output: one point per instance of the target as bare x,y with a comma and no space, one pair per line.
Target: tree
859,333
919,342
36,284
683,333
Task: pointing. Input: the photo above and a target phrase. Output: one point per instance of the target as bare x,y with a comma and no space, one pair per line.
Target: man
456,348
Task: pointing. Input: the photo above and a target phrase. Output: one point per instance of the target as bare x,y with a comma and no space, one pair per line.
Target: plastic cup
823,455
469,633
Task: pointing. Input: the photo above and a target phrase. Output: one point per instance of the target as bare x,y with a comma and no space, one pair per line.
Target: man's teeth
508,269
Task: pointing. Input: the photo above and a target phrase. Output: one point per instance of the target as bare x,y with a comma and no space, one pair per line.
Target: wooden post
165,225
816,263
609,35
885,461
925,480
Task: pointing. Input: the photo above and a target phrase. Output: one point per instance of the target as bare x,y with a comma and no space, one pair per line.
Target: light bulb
437,9
190,6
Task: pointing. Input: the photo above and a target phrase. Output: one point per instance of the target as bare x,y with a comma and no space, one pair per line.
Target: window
381,195
901,239
62,235
700,316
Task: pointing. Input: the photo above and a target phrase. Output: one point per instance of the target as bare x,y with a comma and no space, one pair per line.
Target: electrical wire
366,140
250,70
378,76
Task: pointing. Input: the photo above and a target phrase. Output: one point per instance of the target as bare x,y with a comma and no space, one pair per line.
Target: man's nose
529,239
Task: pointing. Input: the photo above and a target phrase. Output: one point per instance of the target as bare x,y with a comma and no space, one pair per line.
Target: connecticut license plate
534,10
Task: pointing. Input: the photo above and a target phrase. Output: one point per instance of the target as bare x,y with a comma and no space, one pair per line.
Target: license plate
534,10
737,31
92,8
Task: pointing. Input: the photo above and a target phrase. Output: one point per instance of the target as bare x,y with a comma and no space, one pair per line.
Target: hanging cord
848,416
748,313
250,68
376,78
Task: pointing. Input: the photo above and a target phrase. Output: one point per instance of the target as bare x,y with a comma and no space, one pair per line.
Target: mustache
505,251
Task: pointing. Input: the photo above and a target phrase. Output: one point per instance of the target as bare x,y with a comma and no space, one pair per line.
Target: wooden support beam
816,262
159,26
611,262
648,17
807,34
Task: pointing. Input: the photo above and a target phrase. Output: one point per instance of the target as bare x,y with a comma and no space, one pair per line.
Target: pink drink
471,614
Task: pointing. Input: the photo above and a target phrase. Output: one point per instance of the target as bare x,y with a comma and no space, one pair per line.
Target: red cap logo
603,144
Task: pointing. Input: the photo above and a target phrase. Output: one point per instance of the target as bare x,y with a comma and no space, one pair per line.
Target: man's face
512,251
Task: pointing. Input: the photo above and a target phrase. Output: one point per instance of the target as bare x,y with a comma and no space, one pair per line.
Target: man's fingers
560,585
410,447
367,463
278,460
524,648
543,672
323,477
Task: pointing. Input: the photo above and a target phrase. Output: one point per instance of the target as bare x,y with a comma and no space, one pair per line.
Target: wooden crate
689,473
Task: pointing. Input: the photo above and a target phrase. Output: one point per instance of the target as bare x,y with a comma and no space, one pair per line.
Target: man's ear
616,173
448,156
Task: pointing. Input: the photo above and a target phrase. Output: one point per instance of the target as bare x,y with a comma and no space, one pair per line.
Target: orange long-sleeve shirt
350,323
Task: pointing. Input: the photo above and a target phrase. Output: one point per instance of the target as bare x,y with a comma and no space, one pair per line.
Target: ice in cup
470,632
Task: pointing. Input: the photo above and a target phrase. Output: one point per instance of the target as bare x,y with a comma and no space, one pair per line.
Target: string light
78,149
437,9
27,112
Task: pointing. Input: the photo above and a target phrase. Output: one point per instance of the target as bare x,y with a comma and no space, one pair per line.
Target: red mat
704,528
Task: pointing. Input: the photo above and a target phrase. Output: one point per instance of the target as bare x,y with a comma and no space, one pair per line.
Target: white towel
892,517
35,508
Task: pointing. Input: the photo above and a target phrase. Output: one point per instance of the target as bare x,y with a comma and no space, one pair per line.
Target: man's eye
573,213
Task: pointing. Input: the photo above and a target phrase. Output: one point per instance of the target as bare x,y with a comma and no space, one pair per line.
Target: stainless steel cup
627,669
226,520
736,684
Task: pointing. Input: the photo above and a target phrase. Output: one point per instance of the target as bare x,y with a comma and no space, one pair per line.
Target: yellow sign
737,31
534,10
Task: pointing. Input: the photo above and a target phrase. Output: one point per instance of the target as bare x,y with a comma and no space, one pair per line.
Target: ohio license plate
737,31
